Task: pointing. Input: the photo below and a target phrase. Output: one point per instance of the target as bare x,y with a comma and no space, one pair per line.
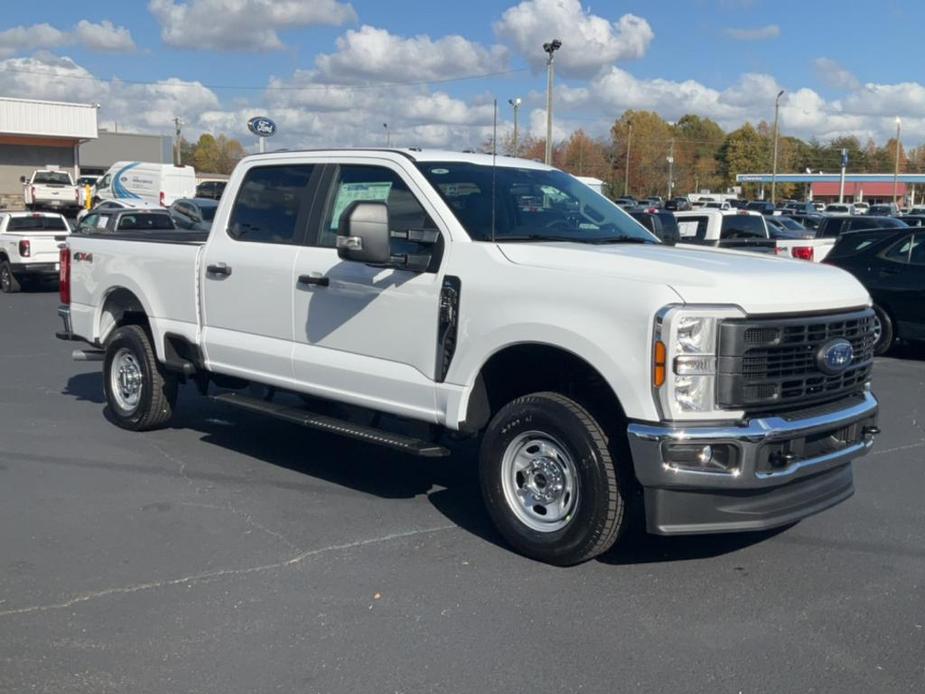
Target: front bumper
788,468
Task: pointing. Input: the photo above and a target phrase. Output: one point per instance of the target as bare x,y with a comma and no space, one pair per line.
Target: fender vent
448,324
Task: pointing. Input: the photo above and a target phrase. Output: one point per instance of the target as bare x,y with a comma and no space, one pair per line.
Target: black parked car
678,204
810,221
762,206
194,213
211,189
662,223
885,209
626,201
118,221
891,266
781,227
836,226
794,207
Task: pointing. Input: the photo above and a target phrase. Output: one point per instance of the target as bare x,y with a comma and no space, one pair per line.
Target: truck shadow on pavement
450,484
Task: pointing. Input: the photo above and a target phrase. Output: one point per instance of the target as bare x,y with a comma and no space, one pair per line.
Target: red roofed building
855,191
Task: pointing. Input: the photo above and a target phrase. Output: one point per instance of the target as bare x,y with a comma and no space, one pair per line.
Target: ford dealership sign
261,126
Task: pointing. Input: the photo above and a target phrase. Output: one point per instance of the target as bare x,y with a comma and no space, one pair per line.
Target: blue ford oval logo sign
835,356
261,126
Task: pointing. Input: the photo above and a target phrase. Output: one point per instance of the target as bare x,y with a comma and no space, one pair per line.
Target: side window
917,255
272,204
373,184
900,252
89,222
834,227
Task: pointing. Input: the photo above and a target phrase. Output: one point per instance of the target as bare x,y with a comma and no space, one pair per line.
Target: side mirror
22,179
363,235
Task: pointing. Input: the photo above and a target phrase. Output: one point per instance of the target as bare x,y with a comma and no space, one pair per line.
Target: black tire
158,390
8,282
598,515
887,332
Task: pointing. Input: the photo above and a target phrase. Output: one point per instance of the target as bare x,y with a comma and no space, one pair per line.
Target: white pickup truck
29,243
50,189
609,377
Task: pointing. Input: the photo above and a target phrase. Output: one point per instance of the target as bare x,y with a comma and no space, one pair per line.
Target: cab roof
417,155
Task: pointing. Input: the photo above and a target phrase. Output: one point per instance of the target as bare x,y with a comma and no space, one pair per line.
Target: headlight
685,361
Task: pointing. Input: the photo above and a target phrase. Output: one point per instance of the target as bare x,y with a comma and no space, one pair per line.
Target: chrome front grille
770,364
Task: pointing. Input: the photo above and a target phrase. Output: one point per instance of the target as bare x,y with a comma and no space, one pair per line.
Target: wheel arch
120,306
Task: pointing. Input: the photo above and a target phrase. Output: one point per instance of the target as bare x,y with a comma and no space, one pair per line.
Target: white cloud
589,42
771,31
834,75
242,25
104,36
373,53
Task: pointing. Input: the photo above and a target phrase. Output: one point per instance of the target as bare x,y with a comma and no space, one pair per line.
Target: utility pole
776,133
550,49
177,151
388,135
671,169
896,167
515,104
629,144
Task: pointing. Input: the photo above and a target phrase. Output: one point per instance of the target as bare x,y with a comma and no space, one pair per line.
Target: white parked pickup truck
609,377
741,230
50,189
29,244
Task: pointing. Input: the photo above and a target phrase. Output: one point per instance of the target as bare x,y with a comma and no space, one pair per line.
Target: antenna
494,156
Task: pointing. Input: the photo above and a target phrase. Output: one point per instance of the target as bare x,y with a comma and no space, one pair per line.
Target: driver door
366,334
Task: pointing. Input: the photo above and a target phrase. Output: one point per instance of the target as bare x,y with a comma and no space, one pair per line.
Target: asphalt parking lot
233,553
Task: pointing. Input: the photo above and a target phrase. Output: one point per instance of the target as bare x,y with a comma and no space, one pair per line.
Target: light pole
515,104
178,151
671,169
776,133
388,135
550,49
896,167
629,143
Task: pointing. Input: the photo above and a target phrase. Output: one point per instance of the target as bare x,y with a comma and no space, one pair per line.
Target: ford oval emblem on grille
835,356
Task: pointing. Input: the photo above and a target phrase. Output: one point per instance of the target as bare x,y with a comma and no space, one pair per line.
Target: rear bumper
786,469
34,269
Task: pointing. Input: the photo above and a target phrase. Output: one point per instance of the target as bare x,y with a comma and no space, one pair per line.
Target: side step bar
406,444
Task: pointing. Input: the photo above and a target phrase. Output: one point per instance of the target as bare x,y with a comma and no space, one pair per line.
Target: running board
296,415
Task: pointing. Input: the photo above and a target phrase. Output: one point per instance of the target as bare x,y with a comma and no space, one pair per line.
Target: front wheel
884,333
140,393
549,481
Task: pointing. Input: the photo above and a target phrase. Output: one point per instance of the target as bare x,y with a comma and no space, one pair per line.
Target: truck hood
757,283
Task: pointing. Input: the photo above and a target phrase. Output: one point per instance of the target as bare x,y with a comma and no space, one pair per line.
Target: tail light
25,248
163,198
803,252
64,276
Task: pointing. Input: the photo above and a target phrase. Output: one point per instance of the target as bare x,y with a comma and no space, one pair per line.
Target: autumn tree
583,156
648,137
743,151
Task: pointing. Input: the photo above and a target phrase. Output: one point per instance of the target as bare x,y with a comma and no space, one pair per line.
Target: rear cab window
743,226
36,224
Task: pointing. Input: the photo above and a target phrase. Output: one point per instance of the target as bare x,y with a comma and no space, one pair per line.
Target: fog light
716,457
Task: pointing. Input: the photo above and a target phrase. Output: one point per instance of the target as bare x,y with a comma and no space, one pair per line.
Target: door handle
319,280
889,271
219,269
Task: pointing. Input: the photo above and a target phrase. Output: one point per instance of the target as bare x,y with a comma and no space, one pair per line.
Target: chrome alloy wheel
540,481
877,329
126,380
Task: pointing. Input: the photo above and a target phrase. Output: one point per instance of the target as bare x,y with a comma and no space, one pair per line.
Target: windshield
530,204
52,177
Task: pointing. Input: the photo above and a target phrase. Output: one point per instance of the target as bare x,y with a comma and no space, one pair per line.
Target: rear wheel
884,333
140,393
8,282
549,481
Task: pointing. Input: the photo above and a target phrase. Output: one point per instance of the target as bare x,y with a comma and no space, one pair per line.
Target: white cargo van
160,184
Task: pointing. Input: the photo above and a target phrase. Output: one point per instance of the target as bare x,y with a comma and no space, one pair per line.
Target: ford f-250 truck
609,377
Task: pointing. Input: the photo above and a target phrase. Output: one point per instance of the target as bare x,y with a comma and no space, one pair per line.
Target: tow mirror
363,234
22,179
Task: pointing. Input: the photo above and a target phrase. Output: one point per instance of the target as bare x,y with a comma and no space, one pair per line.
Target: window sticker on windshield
440,172
687,229
351,192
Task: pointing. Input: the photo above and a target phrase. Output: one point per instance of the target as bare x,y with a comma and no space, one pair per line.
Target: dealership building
858,187
54,134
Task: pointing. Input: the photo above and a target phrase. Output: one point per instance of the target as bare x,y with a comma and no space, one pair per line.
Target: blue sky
719,58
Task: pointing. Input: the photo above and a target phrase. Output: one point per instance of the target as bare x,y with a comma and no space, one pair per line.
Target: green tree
744,150
697,143
648,150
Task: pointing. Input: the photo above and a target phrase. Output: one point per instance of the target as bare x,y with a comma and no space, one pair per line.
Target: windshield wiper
538,237
621,239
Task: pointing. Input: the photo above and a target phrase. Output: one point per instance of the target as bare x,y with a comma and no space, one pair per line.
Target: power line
243,87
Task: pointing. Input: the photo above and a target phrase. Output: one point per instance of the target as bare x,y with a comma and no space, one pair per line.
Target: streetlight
776,133
896,167
550,48
515,104
388,135
629,142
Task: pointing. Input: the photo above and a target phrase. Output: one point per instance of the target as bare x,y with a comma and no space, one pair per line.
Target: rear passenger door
247,271
367,334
